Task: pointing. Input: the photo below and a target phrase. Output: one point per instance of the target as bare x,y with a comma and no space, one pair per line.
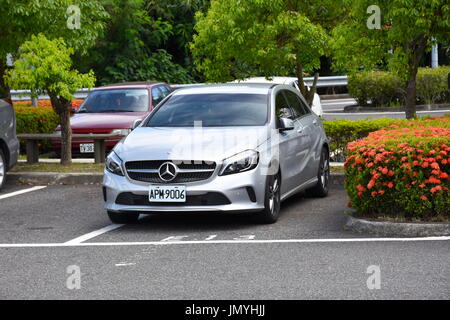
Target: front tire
323,176
272,199
2,169
123,218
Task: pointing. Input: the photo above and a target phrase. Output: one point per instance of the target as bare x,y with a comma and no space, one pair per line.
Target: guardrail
333,81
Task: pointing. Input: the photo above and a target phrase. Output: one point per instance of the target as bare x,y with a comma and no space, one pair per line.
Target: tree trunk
308,94
62,107
416,49
410,107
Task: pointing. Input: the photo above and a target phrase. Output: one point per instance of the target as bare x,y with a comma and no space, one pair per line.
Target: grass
56,167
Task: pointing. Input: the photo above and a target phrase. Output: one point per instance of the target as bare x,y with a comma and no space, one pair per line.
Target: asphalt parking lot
307,254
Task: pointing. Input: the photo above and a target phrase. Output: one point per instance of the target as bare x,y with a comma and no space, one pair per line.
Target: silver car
9,145
231,147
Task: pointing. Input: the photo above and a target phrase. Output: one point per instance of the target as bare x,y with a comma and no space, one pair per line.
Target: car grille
188,171
208,199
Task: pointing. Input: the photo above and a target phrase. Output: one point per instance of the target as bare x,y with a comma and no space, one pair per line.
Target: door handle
300,130
315,122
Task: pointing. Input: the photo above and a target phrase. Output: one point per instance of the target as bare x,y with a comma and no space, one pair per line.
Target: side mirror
137,123
286,124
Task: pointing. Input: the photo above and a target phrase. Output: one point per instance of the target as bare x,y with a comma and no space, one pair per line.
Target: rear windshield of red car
116,100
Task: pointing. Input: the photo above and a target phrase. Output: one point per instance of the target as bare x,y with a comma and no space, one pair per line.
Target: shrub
35,120
401,172
340,132
378,87
385,89
46,103
432,85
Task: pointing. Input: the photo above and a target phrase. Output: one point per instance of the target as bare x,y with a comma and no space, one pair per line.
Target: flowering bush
46,103
401,171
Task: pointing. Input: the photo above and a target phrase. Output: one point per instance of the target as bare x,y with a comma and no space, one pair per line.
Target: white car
290,81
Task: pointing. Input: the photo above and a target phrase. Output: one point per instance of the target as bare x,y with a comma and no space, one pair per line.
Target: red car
113,109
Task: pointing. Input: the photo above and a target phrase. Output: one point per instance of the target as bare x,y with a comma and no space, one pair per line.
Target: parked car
231,147
290,81
9,144
113,109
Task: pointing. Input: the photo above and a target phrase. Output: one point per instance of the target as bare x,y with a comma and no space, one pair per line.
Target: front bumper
234,187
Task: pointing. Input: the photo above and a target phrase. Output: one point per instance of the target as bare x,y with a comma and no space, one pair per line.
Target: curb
405,229
52,178
356,109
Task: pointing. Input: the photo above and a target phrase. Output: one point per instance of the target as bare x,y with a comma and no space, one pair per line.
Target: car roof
246,88
134,85
279,80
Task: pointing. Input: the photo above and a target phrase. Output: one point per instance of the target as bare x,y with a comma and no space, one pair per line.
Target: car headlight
240,162
121,132
114,164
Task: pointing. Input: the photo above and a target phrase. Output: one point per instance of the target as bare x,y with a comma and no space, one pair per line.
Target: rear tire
323,176
2,169
272,199
123,218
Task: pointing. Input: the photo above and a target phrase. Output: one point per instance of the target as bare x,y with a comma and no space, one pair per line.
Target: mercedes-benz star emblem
167,171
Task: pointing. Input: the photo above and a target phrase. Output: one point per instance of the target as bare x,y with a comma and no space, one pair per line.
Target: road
333,109
306,255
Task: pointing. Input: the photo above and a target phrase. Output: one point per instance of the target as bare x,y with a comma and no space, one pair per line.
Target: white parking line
16,193
93,234
208,242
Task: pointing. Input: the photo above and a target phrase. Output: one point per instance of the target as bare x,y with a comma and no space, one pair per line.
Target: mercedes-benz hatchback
228,148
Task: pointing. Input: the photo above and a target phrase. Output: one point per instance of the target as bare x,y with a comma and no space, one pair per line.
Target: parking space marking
173,238
211,237
16,193
209,242
93,234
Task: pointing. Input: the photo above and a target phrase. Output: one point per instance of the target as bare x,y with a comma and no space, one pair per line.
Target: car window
157,96
296,104
305,106
212,110
282,109
165,90
115,100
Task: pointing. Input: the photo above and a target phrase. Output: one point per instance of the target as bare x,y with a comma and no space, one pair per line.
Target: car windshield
117,100
212,110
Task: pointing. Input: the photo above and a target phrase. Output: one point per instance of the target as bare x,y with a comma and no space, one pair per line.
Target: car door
304,131
312,123
288,144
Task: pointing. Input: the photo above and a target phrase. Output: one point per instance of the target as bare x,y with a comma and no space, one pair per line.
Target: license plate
86,148
167,194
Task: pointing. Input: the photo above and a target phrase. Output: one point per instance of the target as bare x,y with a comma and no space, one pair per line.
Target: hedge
385,89
401,172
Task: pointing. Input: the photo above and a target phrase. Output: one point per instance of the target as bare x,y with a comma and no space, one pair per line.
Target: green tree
45,66
20,19
135,46
406,31
237,39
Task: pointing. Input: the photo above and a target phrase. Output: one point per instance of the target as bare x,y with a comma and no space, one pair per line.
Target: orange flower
384,171
390,185
381,192
435,165
424,198
370,184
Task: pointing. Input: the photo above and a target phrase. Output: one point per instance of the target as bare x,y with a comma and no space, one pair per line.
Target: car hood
110,121
213,144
